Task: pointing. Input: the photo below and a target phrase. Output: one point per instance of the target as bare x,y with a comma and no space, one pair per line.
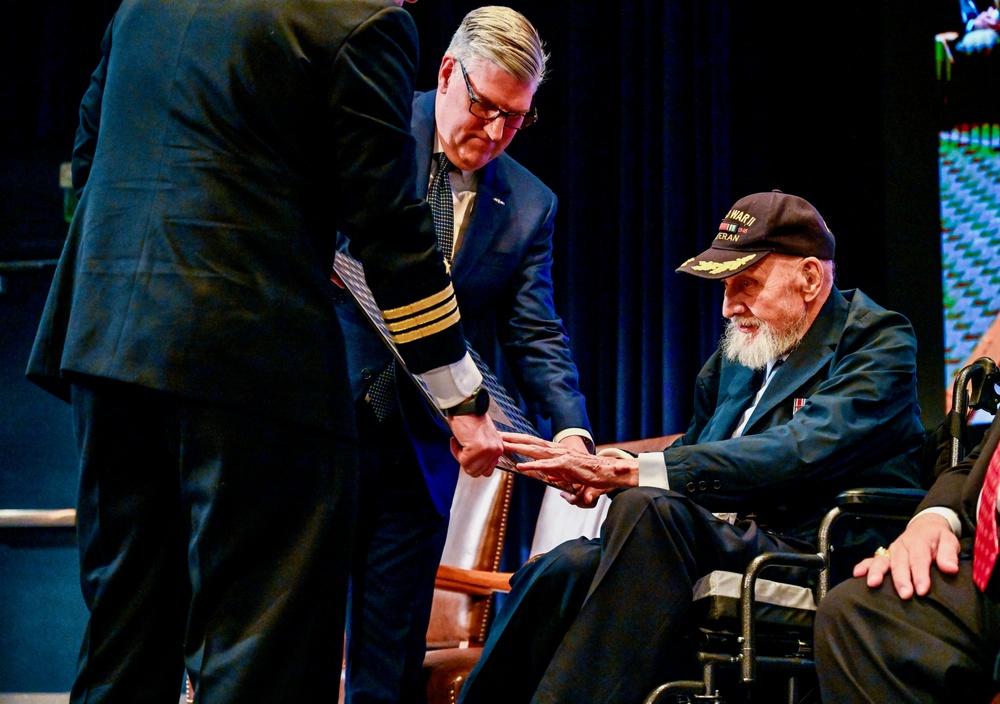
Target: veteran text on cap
758,225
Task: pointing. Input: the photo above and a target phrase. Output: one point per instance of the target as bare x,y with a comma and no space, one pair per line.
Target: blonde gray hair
503,37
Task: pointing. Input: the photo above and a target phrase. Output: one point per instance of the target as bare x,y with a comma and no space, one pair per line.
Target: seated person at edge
811,392
924,624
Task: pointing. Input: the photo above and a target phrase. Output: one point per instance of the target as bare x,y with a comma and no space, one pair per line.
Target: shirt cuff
947,514
588,439
653,470
452,383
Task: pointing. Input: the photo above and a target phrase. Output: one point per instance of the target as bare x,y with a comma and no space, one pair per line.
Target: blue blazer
502,275
840,413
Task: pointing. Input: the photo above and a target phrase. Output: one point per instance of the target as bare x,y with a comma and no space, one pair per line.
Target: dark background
656,117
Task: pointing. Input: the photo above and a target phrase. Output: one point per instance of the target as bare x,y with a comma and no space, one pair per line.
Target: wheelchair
755,638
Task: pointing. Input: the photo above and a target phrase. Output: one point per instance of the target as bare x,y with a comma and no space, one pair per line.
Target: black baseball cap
756,226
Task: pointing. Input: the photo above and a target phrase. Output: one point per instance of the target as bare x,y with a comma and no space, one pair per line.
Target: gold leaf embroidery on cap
722,267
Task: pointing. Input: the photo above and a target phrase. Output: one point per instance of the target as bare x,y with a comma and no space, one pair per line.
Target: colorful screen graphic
968,68
969,164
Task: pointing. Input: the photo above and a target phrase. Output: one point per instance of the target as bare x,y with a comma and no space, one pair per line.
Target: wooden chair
466,581
460,611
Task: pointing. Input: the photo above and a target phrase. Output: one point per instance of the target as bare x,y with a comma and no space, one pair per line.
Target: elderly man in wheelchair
812,392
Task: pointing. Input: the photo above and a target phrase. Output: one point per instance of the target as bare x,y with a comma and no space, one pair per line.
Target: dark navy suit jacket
502,275
840,413
219,152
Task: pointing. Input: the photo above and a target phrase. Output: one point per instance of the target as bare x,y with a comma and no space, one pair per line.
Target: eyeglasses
488,112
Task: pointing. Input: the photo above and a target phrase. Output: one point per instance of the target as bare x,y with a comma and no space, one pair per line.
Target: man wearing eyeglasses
500,250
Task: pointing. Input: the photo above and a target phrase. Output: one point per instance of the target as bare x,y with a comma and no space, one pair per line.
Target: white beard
756,350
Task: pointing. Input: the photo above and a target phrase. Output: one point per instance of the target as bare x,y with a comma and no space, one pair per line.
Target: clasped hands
586,476
477,446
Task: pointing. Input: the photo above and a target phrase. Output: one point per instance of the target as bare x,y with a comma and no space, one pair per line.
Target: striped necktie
382,392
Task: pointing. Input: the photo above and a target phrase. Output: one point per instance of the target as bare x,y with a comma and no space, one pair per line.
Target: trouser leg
872,646
132,543
272,509
545,597
400,539
630,633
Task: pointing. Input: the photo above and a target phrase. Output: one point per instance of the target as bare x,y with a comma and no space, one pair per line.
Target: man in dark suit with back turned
930,633
191,323
501,238
812,391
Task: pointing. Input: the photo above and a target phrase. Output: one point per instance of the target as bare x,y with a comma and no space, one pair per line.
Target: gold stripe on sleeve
420,306
427,331
418,320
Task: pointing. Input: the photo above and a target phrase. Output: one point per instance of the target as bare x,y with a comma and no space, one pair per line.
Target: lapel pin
498,201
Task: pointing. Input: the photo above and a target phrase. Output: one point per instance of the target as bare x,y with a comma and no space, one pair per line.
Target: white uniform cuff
453,383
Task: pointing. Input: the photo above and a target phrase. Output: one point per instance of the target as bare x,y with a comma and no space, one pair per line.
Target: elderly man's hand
582,496
927,540
563,465
476,445
579,495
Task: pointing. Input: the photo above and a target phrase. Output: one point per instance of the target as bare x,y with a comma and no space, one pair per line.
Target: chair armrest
883,501
472,582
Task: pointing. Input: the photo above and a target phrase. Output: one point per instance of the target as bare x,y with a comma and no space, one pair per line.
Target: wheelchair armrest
881,500
878,503
748,647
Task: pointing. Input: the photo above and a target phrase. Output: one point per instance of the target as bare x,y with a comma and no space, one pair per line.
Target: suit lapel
488,222
812,354
737,397
490,213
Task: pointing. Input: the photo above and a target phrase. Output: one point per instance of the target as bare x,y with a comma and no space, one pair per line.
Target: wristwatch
477,404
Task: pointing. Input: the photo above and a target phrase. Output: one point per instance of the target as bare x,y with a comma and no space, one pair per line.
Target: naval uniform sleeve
389,226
